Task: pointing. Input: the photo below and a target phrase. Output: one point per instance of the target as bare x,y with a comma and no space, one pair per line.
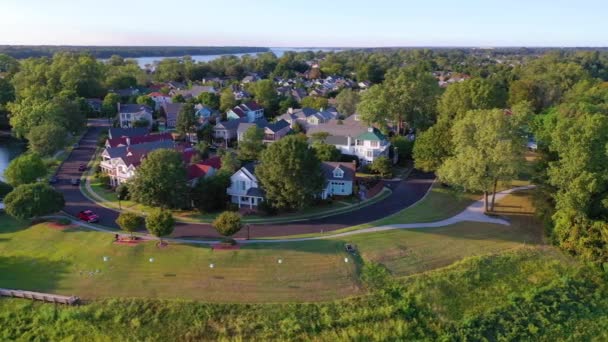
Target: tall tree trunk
494,194
485,201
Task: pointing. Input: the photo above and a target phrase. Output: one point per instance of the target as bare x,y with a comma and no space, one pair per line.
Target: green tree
314,102
160,223
209,99
265,94
7,92
33,200
146,100
209,194
129,222
286,103
5,188
228,223
433,146
326,152
227,100
407,95
25,169
382,165
488,147
47,138
251,145
160,180
347,101
290,173
476,93
230,162
32,111
109,106
186,119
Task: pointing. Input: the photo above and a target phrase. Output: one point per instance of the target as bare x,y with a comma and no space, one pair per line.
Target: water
143,61
9,150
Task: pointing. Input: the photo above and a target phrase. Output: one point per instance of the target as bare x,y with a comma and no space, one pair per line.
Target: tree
346,102
290,173
326,152
209,99
33,200
109,106
129,222
251,145
407,96
160,223
160,180
476,93
62,110
314,102
25,169
404,147
382,165
488,147
433,146
141,123
227,100
146,100
230,163
47,138
179,98
265,94
286,103
186,119
209,194
228,223
202,148
319,136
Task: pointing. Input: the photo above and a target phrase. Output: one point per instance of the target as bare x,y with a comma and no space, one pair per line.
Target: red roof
198,171
117,141
150,138
157,94
238,111
214,162
253,106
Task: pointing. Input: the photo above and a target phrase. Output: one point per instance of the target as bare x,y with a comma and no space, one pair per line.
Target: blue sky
306,23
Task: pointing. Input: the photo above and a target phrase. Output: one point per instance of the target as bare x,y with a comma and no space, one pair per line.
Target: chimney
349,140
290,110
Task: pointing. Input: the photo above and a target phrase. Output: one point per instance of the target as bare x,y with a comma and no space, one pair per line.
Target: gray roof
300,113
338,140
121,151
277,126
114,133
134,108
256,192
352,128
230,124
244,126
172,108
250,167
329,167
196,90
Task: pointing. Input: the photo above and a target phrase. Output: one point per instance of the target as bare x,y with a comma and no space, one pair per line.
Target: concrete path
473,213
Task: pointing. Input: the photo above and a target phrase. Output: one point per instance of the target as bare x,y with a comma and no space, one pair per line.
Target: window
374,143
338,173
243,186
369,154
359,142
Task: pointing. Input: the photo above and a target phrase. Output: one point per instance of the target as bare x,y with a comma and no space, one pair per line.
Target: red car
88,216
82,167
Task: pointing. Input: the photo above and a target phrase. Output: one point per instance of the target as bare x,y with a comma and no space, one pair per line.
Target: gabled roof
126,132
133,108
214,162
277,126
253,106
329,167
172,108
116,152
150,138
244,126
197,170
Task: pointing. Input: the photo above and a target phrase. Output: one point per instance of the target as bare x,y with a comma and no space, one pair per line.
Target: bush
267,209
375,276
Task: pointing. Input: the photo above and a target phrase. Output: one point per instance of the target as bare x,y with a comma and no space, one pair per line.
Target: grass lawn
66,262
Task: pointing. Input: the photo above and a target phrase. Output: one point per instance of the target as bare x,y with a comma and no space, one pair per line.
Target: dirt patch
59,226
220,247
129,242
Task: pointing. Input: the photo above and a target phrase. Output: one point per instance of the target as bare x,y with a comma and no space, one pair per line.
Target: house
171,111
298,94
139,139
244,188
128,114
323,116
159,99
227,130
173,85
364,84
126,93
114,133
251,111
204,113
194,92
241,95
244,126
352,137
95,105
339,179
203,169
308,116
250,79
275,131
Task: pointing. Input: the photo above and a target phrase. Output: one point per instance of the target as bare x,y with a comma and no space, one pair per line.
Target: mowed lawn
71,261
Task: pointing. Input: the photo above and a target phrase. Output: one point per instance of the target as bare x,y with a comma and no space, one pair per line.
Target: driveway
404,194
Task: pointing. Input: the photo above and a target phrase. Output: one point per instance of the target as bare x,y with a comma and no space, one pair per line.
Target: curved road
405,193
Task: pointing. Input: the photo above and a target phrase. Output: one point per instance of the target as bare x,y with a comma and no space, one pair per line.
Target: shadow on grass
34,274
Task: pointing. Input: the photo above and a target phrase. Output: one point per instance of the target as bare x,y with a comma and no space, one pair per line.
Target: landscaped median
104,197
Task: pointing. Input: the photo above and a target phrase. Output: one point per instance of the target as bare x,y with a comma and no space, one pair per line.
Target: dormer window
338,173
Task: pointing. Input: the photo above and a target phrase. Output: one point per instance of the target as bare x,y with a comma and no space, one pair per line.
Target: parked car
52,180
88,216
82,167
75,181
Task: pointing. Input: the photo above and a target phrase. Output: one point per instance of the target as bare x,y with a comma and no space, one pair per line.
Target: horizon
339,24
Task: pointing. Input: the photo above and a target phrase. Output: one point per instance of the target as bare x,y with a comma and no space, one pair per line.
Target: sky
310,23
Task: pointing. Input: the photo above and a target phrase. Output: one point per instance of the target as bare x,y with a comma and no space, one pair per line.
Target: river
9,150
143,61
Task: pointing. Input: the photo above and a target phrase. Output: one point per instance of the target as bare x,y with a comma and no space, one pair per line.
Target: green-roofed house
370,145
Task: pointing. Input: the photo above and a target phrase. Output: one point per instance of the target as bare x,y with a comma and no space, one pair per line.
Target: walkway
404,194
473,213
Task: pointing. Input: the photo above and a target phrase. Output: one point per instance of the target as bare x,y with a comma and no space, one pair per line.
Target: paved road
405,193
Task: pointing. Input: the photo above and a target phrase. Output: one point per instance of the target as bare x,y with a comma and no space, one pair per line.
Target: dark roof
116,152
214,162
172,108
244,125
277,126
114,133
348,169
134,108
197,170
255,192
253,106
250,167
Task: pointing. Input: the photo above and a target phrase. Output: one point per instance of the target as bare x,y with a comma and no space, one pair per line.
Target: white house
244,188
250,110
128,114
339,179
159,99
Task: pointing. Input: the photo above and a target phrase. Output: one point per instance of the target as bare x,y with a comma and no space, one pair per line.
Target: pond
9,150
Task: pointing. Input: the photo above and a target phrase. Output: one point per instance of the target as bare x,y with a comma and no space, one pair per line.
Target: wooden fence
45,297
